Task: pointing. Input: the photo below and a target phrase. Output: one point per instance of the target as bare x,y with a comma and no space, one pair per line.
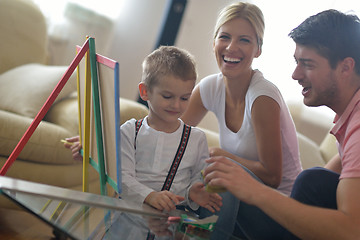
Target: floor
20,225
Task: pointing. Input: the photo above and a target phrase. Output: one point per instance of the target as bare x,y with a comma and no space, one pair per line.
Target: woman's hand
216,151
210,201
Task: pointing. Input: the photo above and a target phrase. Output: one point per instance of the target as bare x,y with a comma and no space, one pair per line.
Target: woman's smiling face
235,47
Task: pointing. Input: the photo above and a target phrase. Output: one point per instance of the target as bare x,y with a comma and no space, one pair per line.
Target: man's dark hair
333,34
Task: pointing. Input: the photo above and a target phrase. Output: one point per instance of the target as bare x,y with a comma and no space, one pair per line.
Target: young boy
169,76
149,147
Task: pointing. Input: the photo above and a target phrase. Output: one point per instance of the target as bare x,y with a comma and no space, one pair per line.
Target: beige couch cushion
23,34
211,137
44,146
25,89
328,148
310,155
65,114
131,109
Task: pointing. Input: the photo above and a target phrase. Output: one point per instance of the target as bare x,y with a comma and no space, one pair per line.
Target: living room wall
129,33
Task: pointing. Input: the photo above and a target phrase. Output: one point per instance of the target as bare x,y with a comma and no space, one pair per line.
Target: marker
173,219
67,142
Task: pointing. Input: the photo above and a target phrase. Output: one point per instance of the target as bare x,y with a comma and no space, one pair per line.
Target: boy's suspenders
138,124
178,156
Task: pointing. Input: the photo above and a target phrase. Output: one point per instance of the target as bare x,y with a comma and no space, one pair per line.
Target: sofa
316,145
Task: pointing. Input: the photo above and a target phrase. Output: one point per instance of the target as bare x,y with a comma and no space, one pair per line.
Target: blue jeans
315,186
228,213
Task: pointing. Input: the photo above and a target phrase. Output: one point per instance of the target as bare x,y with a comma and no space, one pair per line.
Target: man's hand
216,151
223,172
163,200
210,201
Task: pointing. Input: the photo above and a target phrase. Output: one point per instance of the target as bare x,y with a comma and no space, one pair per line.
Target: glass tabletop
79,215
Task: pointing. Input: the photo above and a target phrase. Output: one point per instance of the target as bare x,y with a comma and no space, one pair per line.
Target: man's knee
316,186
308,177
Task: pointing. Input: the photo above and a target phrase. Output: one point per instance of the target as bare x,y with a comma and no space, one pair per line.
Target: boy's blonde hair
247,11
165,61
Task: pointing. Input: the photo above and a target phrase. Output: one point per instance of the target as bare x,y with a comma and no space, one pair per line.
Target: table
79,215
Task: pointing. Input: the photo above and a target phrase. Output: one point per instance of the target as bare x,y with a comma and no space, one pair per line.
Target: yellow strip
86,139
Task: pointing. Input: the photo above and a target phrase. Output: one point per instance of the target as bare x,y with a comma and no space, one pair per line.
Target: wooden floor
20,225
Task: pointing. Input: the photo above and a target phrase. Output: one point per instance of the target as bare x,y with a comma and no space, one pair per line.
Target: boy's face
168,99
314,74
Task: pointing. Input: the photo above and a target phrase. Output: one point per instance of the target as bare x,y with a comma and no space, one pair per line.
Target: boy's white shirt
145,169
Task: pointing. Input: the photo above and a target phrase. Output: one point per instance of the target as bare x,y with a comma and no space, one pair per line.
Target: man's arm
334,164
307,222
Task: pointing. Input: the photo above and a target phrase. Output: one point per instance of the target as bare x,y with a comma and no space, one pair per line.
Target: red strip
103,60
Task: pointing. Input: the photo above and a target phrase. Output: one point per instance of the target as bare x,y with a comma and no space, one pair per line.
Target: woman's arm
265,115
195,111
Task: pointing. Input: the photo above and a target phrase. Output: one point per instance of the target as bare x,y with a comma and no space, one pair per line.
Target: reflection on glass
79,215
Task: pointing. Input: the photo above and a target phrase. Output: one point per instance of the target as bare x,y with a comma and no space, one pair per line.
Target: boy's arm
132,188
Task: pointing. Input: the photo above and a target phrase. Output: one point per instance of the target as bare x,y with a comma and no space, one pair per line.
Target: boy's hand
159,226
163,200
210,201
74,145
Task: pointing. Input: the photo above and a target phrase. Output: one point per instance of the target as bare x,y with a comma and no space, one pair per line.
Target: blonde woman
256,129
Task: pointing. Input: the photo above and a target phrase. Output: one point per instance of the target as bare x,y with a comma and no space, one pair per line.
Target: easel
106,169
99,118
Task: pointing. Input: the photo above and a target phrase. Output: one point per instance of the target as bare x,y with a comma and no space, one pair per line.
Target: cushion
65,114
310,155
131,109
25,89
211,137
328,148
58,175
23,34
44,146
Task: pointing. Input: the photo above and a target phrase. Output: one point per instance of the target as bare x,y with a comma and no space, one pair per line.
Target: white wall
137,31
134,32
133,36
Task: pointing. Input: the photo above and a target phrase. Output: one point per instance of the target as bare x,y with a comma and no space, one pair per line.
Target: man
325,202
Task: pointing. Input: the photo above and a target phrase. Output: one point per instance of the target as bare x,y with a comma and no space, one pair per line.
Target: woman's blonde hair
247,11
